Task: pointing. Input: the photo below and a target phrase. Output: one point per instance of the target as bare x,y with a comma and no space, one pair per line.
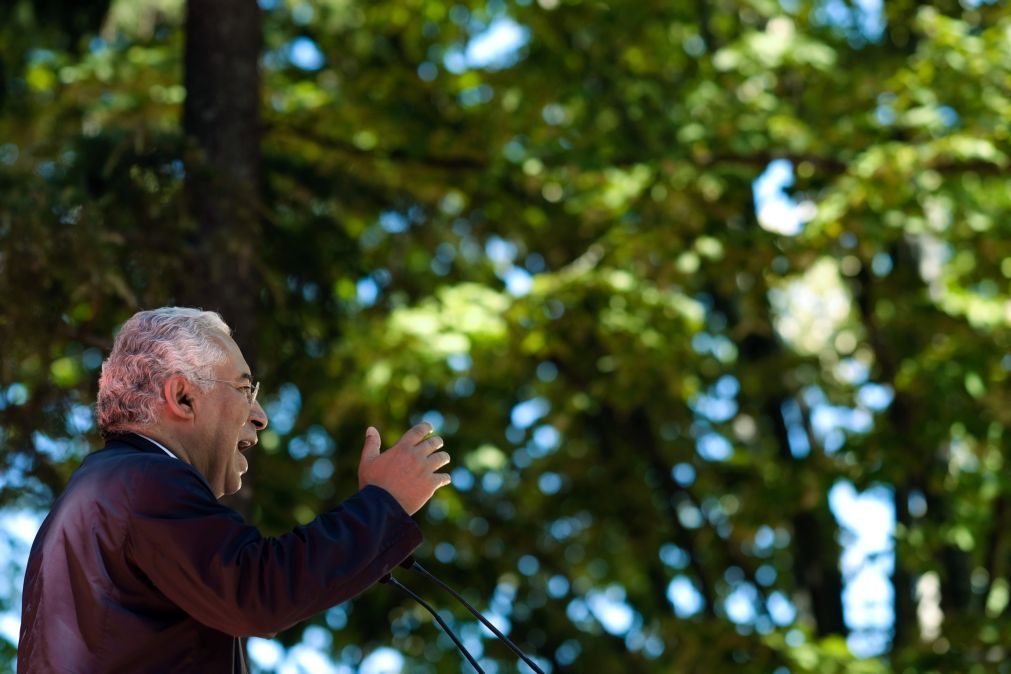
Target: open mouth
241,447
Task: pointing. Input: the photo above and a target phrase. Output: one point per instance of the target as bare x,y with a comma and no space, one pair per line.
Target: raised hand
407,469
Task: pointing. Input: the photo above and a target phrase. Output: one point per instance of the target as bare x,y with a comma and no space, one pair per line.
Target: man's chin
232,488
235,484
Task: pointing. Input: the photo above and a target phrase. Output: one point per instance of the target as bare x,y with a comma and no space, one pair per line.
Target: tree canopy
673,280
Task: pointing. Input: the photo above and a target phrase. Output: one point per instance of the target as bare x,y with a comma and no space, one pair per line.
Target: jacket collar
134,440
139,442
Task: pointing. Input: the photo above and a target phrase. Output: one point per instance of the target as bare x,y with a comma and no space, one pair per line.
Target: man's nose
257,416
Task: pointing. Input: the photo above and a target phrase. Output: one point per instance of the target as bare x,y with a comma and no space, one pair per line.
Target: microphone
388,578
411,563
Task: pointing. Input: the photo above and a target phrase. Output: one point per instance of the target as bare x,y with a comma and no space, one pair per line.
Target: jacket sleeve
222,572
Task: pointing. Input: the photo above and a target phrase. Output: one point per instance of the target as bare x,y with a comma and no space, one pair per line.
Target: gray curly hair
150,347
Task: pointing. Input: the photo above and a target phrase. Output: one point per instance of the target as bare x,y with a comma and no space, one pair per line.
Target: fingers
430,445
370,449
408,470
416,434
438,460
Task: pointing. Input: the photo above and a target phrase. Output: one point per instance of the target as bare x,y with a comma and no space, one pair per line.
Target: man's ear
179,397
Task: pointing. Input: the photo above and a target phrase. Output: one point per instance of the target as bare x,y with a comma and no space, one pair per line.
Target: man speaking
138,568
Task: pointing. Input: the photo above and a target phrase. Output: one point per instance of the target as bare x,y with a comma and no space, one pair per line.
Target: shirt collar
163,447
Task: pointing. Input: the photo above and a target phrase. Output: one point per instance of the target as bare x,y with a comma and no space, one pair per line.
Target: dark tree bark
222,125
816,552
906,422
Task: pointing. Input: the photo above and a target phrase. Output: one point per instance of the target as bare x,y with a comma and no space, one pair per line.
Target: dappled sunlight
709,302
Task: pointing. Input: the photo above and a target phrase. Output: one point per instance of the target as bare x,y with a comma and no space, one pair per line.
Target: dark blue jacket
138,568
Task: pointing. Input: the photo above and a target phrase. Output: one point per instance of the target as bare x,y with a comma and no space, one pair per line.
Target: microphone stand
413,564
452,635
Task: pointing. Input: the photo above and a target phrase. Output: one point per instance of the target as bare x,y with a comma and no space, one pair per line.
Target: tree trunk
221,122
816,552
222,127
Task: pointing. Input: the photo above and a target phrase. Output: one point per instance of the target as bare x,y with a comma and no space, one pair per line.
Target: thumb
372,444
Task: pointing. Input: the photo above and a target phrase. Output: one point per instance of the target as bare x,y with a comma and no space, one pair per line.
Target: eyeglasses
250,390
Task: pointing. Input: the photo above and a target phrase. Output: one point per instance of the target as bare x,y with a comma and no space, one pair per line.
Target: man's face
226,424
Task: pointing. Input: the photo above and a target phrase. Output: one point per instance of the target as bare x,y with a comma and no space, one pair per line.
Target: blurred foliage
557,253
